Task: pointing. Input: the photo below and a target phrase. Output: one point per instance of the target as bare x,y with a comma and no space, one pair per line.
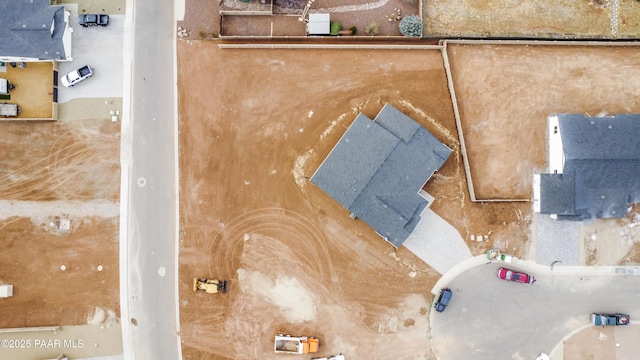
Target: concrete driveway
101,48
437,243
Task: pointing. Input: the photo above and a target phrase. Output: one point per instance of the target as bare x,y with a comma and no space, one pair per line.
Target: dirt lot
534,19
52,171
297,263
504,106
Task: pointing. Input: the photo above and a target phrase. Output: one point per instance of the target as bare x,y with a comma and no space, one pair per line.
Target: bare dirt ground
249,139
535,19
612,242
592,343
296,265
50,171
505,94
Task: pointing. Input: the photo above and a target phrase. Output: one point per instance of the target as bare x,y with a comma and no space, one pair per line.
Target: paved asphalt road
491,319
150,320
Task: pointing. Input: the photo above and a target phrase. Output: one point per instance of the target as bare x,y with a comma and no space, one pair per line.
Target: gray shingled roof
26,29
601,173
377,169
560,188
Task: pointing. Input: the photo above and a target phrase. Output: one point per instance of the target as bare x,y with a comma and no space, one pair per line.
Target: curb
535,268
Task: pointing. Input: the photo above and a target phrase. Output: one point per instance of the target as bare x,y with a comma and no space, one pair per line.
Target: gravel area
557,241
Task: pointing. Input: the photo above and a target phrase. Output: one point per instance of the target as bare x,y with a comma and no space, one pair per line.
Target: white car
76,76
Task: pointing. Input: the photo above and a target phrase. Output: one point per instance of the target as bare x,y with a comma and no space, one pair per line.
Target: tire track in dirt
225,249
278,247
74,169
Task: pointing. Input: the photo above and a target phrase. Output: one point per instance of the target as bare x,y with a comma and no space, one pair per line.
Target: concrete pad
557,241
92,6
94,109
102,49
437,243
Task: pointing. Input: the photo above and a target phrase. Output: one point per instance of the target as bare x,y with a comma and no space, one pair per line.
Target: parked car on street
443,299
610,320
510,275
76,76
87,20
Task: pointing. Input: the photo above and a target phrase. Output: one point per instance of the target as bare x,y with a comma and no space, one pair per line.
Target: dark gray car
87,20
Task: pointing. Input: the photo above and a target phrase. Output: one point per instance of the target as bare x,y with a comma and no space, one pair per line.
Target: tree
411,26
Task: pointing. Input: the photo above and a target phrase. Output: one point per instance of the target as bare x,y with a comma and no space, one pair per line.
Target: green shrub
353,30
411,26
372,28
335,28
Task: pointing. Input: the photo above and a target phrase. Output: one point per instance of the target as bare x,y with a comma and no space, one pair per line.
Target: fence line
331,46
456,115
540,42
247,13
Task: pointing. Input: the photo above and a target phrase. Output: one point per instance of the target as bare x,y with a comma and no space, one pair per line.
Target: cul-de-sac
320,179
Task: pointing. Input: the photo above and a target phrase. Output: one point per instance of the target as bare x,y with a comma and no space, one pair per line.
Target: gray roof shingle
26,29
377,169
601,170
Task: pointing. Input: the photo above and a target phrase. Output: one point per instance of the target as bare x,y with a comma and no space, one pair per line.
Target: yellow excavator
212,286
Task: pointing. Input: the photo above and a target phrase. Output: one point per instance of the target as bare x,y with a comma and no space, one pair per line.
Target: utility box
319,24
6,291
63,224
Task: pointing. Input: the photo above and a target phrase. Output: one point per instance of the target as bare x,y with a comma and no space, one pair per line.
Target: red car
506,274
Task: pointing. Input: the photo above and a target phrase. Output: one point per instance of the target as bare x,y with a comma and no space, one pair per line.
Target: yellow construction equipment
211,286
